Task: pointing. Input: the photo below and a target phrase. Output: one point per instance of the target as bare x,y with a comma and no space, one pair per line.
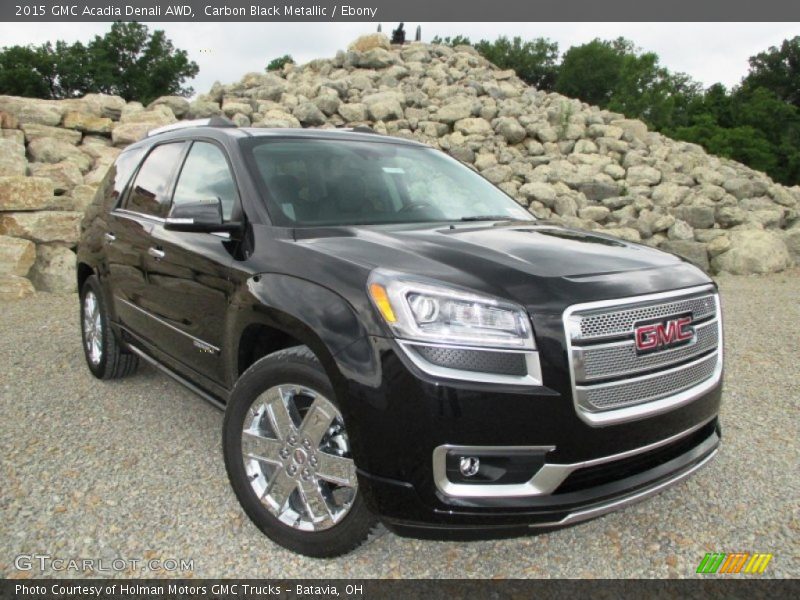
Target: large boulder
35,130
178,104
64,175
753,251
13,287
368,42
12,158
54,269
45,226
25,193
695,252
49,150
309,114
16,256
87,123
384,106
31,110
128,133
454,111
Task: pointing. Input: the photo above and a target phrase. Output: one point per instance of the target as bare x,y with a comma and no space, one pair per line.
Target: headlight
422,311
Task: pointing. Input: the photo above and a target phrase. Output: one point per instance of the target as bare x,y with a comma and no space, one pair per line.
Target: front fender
313,314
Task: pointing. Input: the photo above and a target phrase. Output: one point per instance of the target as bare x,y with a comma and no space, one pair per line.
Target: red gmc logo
664,334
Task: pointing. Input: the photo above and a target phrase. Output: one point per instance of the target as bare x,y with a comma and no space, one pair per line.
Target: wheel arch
293,311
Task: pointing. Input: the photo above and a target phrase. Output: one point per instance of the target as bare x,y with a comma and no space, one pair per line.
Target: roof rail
212,122
362,129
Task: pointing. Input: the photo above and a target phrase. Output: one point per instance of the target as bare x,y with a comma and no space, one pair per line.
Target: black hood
527,262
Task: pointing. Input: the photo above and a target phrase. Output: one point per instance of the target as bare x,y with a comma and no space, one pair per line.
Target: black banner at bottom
267,589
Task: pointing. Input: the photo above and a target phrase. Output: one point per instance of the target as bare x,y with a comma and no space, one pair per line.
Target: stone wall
568,162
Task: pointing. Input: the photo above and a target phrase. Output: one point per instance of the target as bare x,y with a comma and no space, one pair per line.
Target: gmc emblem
664,333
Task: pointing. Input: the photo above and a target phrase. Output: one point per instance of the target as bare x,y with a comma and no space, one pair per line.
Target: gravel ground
133,469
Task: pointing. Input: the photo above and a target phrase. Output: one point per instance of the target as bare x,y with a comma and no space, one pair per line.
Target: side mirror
199,217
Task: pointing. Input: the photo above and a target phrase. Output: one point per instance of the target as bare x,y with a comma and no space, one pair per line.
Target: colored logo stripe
721,562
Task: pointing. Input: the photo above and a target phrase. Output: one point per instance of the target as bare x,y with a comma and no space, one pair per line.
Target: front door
129,239
189,290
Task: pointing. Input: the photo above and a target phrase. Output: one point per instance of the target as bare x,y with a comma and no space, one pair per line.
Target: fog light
469,465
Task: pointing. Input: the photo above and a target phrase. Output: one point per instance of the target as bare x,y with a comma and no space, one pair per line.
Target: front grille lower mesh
610,361
647,390
609,376
620,321
480,361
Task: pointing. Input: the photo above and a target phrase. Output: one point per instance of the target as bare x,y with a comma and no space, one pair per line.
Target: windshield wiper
487,218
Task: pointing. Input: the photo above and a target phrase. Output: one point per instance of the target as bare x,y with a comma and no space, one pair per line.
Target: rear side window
117,177
205,177
149,194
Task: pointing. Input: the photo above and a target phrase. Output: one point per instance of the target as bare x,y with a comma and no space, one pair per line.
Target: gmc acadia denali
393,338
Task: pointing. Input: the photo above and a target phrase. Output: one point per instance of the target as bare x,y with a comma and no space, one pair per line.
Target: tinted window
205,177
117,177
327,182
149,194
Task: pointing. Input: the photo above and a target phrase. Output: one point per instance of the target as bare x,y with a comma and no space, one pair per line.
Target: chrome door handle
156,253
110,237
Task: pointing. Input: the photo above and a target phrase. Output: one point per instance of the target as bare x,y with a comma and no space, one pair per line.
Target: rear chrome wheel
92,328
297,457
105,355
288,455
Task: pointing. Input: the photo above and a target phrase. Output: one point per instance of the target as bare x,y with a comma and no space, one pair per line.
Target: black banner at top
400,10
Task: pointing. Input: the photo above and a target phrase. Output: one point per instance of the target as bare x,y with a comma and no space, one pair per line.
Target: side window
118,176
205,177
149,193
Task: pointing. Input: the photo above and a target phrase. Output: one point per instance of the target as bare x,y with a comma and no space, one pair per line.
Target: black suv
393,338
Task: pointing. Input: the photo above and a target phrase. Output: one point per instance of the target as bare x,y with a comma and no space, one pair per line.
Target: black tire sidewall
268,372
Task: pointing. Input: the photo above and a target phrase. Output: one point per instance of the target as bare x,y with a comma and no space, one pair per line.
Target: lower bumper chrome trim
548,478
605,508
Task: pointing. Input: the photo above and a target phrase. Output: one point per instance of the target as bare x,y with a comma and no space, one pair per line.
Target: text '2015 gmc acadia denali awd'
393,338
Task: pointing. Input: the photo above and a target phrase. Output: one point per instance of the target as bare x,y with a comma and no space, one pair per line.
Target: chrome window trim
198,343
132,214
645,409
532,378
546,480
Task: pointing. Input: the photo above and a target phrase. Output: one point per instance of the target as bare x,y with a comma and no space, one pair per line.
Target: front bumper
399,424
517,515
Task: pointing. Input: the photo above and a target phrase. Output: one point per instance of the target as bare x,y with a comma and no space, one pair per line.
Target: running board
184,382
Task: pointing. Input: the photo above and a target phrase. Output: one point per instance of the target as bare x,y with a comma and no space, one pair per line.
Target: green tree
778,70
535,61
128,61
28,71
458,40
618,76
276,64
137,65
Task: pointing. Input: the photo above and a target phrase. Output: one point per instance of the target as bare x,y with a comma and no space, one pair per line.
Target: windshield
309,182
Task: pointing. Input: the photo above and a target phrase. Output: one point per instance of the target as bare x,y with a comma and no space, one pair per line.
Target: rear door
188,273
128,239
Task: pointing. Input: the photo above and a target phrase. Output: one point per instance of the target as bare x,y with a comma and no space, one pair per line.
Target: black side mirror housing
200,217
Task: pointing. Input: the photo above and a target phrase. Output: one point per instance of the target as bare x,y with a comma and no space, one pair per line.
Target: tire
105,357
303,462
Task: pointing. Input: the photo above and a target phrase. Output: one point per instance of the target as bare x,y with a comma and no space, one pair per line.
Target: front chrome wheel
297,457
92,328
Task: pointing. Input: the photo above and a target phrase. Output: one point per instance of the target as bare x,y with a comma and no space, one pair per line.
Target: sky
708,52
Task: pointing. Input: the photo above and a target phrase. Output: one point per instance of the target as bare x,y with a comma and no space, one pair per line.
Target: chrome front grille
612,382
633,391
604,323
619,359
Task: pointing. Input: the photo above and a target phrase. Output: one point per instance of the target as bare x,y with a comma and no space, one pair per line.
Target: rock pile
568,162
